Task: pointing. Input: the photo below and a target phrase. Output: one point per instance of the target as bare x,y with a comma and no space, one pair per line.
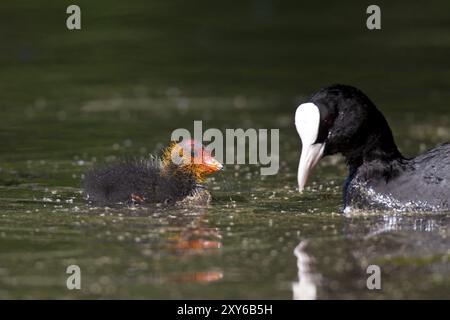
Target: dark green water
137,71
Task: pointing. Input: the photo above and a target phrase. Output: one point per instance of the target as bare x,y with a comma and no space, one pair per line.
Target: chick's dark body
144,181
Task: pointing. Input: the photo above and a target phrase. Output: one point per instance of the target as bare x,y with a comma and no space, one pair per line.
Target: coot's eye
328,121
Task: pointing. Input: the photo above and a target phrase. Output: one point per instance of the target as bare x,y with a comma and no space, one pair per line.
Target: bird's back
432,180
421,183
118,183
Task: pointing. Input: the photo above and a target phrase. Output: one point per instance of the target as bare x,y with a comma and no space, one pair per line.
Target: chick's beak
212,164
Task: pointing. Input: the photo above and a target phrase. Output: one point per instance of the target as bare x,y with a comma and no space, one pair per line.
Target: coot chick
176,178
342,119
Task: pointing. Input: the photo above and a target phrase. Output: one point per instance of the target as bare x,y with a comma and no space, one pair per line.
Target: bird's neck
379,155
182,173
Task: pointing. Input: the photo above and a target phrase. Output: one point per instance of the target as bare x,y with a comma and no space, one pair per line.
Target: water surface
135,73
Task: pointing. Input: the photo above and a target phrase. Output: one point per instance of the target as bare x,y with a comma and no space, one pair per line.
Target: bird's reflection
199,277
196,240
374,225
398,243
193,236
306,286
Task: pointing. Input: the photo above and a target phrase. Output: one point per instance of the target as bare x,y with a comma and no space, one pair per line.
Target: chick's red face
195,156
208,163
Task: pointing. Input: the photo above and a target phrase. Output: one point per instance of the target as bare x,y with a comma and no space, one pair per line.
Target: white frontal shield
307,122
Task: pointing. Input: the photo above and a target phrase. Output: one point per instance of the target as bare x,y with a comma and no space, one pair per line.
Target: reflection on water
373,225
197,239
185,234
306,287
400,244
395,223
199,277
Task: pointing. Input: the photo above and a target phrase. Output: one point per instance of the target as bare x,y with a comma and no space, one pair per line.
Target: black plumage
175,179
141,181
418,184
380,177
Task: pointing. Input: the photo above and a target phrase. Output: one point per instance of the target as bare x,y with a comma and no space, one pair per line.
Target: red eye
327,121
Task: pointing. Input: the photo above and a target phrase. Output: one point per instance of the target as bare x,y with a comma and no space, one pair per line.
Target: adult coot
342,119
